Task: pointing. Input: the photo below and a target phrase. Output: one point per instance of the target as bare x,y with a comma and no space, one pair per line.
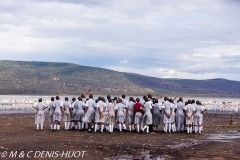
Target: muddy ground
219,140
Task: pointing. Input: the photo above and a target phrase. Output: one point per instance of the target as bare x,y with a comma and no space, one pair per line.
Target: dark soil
18,133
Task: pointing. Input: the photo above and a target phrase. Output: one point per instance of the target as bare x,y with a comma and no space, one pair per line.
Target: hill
18,77
211,87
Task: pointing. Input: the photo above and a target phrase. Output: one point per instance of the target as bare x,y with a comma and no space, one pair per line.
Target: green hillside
61,78
17,77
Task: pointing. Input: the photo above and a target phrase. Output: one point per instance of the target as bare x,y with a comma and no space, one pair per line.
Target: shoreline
127,95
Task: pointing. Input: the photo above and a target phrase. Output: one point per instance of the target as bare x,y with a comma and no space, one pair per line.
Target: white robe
40,116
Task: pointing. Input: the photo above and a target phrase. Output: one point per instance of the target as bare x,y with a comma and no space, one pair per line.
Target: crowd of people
169,115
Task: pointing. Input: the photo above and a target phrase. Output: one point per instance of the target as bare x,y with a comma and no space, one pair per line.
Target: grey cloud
88,3
148,34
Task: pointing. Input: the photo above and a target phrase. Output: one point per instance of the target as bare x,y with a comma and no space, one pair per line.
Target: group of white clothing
186,116
103,114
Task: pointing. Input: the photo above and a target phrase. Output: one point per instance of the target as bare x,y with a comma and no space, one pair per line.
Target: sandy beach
219,140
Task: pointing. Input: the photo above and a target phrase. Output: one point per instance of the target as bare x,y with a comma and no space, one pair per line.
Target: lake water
23,103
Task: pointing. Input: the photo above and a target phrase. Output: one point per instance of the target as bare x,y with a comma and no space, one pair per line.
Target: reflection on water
224,137
189,143
23,104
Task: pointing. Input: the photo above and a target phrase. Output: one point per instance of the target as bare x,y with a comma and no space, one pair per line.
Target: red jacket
137,107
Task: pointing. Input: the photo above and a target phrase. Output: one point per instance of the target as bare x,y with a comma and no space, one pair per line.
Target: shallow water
7,105
229,137
13,97
191,142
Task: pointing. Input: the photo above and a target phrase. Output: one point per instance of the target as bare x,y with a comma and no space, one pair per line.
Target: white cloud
166,73
124,61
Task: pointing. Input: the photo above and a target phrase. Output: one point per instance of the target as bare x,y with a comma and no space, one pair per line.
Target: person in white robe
51,110
167,117
189,109
121,115
57,114
40,116
66,117
147,117
130,114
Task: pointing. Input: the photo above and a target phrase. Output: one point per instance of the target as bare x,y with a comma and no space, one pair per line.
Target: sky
184,39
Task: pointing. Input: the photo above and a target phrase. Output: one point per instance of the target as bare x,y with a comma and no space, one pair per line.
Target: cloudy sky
188,39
